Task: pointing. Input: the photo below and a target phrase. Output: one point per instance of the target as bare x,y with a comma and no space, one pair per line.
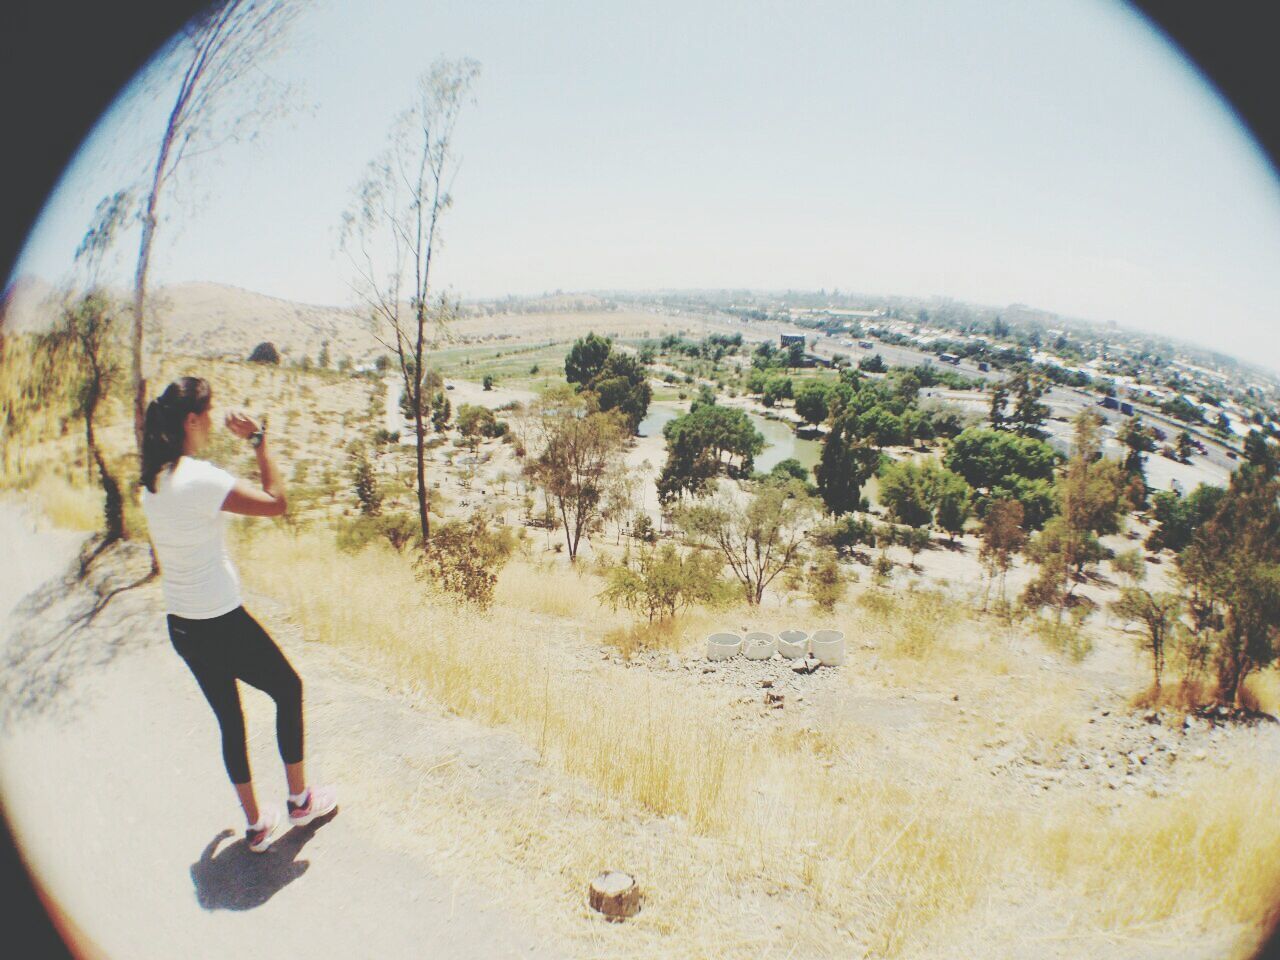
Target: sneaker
259,840
320,800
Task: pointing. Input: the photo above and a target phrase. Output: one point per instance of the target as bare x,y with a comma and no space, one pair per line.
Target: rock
955,698
615,895
1151,716
799,666
766,684
1106,713
1199,755
708,669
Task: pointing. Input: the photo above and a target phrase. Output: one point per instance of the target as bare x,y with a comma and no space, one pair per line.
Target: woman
184,500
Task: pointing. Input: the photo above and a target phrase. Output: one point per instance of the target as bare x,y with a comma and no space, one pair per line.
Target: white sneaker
319,801
259,840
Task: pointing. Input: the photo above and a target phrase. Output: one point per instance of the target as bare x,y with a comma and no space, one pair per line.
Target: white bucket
759,646
793,644
722,646
828,647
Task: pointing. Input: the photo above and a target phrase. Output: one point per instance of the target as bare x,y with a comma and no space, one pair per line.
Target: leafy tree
910,491
991,458
1092,495
880,427
1139,441
1232,568
1180,408
1003,537
392,230
954,503
776,389
586,359
580,451
847,463
1028,411
365,483
265,352
487,383
795,355
661,581
999,399
1261,452
475,423
697,445
789,469
872,364
759,537
811,402
622,385
1185,446
1179,517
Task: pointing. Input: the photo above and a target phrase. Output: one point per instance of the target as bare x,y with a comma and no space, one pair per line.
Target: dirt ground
113,784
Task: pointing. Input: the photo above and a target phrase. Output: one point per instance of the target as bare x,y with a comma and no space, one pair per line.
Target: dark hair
165,430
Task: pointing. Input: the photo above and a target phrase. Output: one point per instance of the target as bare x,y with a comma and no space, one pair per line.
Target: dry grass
875,862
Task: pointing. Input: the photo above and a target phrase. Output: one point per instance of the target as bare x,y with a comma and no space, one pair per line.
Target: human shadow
232,877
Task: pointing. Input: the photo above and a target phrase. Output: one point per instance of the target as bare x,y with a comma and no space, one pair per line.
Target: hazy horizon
1064,157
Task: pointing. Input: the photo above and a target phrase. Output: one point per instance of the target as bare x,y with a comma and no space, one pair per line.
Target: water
780,442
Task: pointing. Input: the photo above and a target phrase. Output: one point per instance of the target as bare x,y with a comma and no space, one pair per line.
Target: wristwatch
256,438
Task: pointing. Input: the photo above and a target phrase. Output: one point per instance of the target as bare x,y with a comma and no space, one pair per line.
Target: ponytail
164,432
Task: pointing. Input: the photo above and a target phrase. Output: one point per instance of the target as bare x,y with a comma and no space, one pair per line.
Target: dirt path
113,784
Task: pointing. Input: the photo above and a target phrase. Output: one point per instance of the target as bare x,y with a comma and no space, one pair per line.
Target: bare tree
393,228
216,51
86,337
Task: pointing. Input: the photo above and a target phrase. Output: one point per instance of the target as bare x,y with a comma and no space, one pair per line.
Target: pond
779,439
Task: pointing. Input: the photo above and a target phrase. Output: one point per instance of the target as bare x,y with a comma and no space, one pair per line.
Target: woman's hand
241,425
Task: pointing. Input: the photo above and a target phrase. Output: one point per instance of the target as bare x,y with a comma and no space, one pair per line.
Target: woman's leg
199,644
260,663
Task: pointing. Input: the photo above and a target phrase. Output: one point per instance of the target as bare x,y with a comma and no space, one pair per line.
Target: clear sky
1056,153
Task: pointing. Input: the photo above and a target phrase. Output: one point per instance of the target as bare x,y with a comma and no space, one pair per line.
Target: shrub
465,558
660,581
265,352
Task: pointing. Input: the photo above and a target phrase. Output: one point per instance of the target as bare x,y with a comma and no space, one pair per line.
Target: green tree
487,383
992,458
1028,411
777,389
365,482
1178,517
872,364
702,444
999,399
811,402
1232,567
1261,452
623,385
465,558
910,491
954,503
826,585
759,536
586,359
846,464
1092,501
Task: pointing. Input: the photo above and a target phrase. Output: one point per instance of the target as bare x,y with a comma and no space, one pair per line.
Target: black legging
220,650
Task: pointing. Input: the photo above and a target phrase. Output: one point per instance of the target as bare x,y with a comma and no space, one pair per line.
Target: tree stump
614,894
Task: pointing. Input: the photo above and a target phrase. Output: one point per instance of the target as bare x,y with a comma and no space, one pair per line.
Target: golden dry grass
877,861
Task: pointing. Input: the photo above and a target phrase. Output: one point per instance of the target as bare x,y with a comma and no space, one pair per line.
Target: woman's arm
243,499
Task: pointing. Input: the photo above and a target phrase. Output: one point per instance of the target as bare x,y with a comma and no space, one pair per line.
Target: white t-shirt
186,523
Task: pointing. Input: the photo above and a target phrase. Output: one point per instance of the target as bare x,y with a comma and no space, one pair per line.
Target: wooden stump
614,894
